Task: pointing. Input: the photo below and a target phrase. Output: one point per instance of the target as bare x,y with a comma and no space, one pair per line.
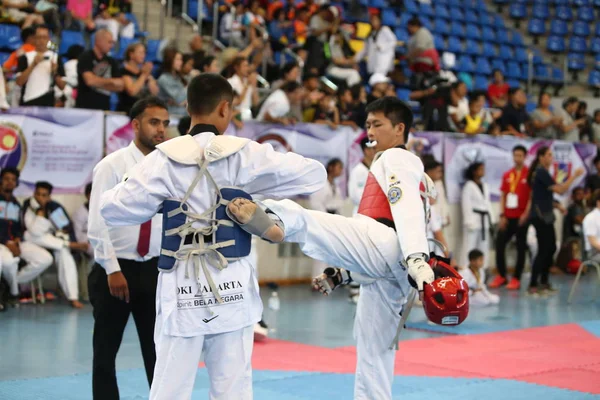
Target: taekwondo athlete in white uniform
208,296
383,245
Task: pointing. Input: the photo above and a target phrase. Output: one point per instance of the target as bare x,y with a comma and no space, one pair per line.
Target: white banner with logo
57,145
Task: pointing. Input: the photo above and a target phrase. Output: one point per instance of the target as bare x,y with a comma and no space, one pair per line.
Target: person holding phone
39,71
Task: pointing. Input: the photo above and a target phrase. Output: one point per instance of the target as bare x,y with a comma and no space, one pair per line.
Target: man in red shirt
498,90
513,217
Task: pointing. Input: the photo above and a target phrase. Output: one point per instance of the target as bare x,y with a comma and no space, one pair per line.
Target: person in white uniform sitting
474,275
591,229
48,225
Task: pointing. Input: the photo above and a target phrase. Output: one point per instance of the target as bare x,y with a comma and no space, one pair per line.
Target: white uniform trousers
362,245
473,239
227,357
9,267
350,75
38,260
483,298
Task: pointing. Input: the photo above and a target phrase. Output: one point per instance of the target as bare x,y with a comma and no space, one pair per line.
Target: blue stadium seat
388,17
480,5
441,27
521,54
456,14
465,64
152,48
513,83
541,73
403,94
577,45
68,39
404,18
442,12
555,44
379,3
472,48
540,11
457,29
575,62
586,14
557,74
564,13
558,3
517,11
513,70
502,36
480,83
581,28
401,34
558,28
439,43
473,32
505,53
482,65
597,29
486,19
582,3
410,6
596,3
489,50
517,40
595,45
536,27
499,65
537,57
10,37
471,17
426,9
594,79
123,44
454,45
426,22
4,57
499,22
488,34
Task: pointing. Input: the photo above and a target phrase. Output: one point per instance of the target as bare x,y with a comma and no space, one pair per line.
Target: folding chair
589,263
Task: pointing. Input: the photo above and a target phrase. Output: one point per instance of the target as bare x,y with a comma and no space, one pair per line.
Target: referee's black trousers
110,319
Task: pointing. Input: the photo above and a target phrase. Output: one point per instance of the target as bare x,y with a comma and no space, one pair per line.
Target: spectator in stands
289,73
112,17
11,234
172,86
596,127
38,71
326,112
209,65
473,123
380,87
254,20
515,193
568,128
380,48
477,213
343,66
322,24
494,130
69,93
277,107
543,121
592,181
585,129
458,112
421,53
137,77
22,12
48,226
591,229
244,83
515,119
3,99
28,39
498,90
349,109
80,13
301,23
474,275
232,26
281,31
187,68
574,216
541,214
98,74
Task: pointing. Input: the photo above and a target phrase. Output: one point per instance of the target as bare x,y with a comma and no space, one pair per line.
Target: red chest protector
374,202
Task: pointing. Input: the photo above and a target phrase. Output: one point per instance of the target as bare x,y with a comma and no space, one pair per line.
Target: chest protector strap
219,238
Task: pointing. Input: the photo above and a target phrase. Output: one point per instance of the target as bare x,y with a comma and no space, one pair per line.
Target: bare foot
243,210
76,304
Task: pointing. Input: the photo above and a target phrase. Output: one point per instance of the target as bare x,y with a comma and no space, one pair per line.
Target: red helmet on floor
446,300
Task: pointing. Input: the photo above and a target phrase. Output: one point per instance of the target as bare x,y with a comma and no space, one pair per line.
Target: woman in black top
541,206
137,77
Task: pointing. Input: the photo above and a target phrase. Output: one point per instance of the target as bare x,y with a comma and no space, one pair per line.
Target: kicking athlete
207,295
383,244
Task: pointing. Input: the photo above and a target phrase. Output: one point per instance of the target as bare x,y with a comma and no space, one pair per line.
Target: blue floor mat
592,327
285,385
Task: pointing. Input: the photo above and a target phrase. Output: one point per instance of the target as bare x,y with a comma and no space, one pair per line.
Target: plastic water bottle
273,305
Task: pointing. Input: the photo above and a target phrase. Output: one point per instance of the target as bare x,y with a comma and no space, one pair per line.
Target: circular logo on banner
279,143
13,147
394,194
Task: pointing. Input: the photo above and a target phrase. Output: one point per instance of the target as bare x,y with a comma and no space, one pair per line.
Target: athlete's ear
399,130
224,108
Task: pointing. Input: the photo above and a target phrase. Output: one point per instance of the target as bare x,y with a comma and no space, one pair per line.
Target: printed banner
309,140
57,145
119,132
496,154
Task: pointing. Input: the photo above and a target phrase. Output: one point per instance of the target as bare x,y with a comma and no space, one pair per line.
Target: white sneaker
261,331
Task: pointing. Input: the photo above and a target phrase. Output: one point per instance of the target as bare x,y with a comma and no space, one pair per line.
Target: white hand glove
419,270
